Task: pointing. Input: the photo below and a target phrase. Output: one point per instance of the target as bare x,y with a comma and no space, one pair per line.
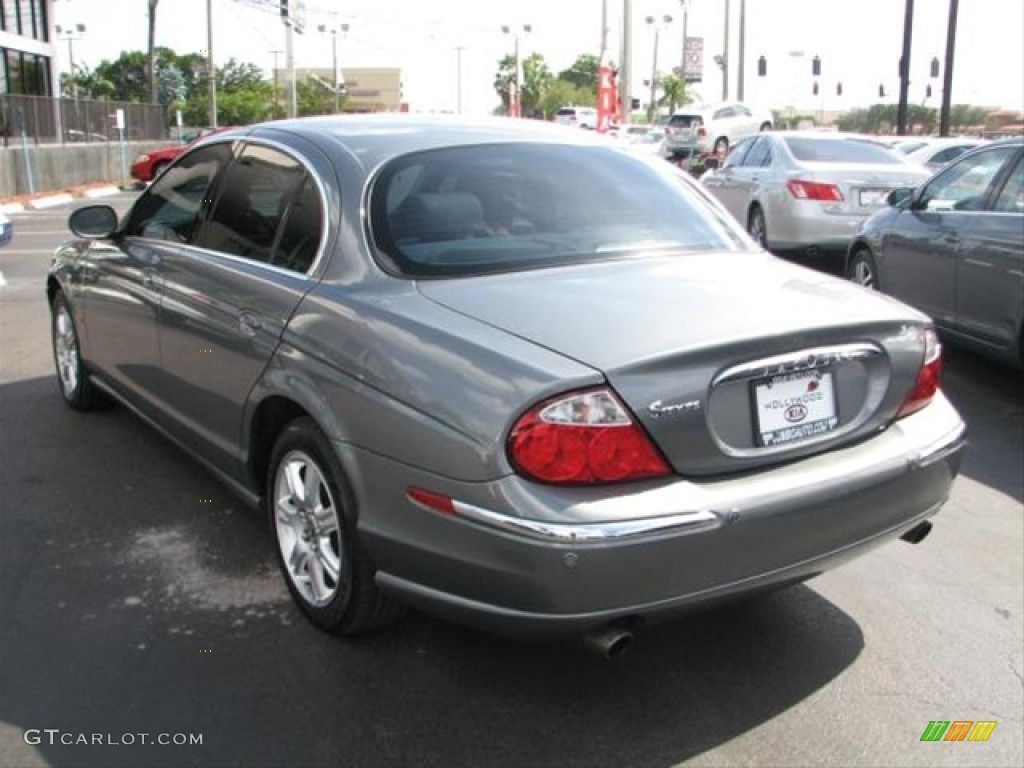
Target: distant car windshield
496,208
828,150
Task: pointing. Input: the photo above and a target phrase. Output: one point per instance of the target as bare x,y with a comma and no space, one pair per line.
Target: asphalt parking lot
139,597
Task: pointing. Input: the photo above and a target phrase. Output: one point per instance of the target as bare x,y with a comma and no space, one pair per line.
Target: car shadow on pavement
139,597
990,398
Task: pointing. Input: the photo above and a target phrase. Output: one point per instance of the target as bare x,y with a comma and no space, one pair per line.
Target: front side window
498,208
170,208
257,190
964,185
1011,199
760,153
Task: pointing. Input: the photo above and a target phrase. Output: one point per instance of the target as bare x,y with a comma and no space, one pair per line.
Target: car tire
721,145
73,377
765,126
310,509
862,269
756,226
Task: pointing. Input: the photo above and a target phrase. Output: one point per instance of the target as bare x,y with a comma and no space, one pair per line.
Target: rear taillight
584,438
927,383
701,131
814,190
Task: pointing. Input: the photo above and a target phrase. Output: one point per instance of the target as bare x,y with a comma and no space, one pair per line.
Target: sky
858,42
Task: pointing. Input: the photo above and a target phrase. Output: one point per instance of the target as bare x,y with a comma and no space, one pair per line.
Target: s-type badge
660,408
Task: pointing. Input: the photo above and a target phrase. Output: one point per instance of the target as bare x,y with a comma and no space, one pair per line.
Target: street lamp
682,61
334,50
71,34
664,21
514,102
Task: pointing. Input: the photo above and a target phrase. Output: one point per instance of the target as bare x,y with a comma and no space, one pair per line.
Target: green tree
503,80
582,73
238,76
536,80
673,93
561,93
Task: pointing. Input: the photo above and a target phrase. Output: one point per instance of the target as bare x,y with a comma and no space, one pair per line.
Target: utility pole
682,61
458,78
275,53
743,50
947,76
908,30
604,33
625,66
211,73
725,55
289,64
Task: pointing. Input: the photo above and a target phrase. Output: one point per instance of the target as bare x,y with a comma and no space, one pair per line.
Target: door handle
249,323
147,278
952,238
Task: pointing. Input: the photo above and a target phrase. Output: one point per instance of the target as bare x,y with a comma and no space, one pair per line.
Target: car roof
371,139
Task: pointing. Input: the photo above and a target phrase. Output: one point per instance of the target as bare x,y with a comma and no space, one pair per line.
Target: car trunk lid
710,351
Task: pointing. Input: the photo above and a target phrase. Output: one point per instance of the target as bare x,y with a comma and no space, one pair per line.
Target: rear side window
840,151
497,208
303,228
760,154
170,208
566,113
684,121
256,192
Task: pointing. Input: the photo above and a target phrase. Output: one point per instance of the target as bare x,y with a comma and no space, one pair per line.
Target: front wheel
862,269
75,385
328,573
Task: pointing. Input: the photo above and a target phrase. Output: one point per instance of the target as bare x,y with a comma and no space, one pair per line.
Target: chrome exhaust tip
918,533
609,642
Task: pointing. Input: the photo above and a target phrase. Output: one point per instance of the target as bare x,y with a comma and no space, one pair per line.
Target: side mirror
899,197
711,163
93,222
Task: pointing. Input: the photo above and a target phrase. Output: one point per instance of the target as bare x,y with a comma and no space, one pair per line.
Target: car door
226,300
725,182
749,175
121,280
990,278
923,248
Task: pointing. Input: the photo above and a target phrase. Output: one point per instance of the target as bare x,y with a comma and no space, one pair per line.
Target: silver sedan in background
808,191
513,374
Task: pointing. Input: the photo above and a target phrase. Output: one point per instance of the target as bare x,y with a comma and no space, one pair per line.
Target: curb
97,192
50,201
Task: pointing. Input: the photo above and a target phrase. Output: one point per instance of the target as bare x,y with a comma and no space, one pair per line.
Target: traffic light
816,67
881,91
928,91
762,67
839,89
814,89
934,72
635,103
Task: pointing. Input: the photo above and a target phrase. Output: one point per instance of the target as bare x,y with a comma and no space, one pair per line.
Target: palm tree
673,94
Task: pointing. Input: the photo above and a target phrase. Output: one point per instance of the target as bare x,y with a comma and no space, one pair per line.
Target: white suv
702,129
584,117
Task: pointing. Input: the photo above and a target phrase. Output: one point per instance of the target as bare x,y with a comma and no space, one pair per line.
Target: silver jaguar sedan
516,376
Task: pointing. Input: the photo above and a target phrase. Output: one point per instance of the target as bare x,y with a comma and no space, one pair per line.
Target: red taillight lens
813,190
701,132
584,438
927,383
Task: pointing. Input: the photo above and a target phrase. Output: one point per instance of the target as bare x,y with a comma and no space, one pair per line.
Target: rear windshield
566,113
498,208
684,121
840,151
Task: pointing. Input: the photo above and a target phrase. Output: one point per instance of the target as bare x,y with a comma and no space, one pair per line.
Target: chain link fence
47,120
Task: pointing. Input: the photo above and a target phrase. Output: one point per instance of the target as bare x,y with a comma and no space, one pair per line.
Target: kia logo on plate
796,412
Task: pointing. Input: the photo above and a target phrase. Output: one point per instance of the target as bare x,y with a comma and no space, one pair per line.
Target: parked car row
505,372
949,243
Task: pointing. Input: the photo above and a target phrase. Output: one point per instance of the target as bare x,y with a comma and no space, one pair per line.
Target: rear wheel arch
269,419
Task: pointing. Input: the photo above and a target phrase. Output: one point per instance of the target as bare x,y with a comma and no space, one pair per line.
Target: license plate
873,198
794,406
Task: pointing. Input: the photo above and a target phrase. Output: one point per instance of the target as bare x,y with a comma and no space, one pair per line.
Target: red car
148,166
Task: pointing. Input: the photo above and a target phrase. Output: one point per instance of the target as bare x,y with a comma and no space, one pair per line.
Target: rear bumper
806,224
651,550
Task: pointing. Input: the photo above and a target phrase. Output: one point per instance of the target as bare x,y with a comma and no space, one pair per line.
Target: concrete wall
60,167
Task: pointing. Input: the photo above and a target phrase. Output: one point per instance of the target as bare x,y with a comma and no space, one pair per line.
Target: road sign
694,59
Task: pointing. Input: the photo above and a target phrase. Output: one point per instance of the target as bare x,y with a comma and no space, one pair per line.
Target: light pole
275,54
334,50
458,78
657,24
211,73
515,92
71,34
682,61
